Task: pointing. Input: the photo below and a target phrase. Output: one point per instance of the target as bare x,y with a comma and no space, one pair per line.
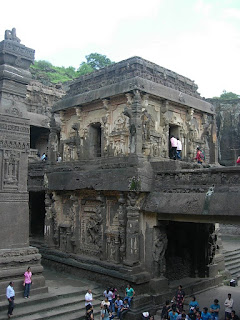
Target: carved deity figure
94,226
212,244
11,35
160,243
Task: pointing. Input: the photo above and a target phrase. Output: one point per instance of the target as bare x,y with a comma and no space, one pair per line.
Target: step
232,262
232,257
50,310
47,302
52,295
230,253
56,313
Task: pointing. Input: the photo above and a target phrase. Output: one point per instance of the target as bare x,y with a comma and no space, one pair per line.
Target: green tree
98,61
228,95
84,69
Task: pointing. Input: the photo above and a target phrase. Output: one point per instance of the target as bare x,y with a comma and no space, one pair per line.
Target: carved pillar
122,219
132,230
15,60
134,115
165,125
53,141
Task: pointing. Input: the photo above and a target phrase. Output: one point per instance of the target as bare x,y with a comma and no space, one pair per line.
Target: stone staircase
232,262
69,305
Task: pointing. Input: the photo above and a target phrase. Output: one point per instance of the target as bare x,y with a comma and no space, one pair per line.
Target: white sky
199,39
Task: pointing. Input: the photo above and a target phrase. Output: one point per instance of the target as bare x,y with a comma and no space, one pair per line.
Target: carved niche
119,137
11,160
91,234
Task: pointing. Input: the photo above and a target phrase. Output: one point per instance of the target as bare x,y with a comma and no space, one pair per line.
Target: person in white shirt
10,293
179,148
228,306
173,150
88,298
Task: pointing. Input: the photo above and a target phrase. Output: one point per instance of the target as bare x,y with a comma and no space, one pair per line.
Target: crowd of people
174,309
112,306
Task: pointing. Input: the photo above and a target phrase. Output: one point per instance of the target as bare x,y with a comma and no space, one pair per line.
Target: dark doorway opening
95,140
39,138
186,255
37,213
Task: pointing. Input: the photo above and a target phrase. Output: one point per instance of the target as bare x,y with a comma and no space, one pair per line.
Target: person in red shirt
238,160
198,156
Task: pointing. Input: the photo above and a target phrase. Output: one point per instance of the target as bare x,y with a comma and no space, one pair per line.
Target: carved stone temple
15,252
116,209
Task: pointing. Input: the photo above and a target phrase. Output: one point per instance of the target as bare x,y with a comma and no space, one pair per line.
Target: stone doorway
95,140
186,254
37,214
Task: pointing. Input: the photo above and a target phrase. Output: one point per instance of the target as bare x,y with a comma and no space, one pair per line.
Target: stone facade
117,206
15,252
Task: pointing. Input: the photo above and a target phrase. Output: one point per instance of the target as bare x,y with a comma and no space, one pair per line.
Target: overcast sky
199,39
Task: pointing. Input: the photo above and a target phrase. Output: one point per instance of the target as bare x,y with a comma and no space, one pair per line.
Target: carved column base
158,285
13,264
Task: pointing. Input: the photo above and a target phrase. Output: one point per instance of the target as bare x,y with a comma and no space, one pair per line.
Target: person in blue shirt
193,304
173,314
214,309
205,314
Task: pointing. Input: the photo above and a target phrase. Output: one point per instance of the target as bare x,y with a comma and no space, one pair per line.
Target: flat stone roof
130,74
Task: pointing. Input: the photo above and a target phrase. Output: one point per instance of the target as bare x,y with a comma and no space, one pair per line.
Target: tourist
228,306
198,315
105,302
43,157
173,313
234,316
27,282
118,305
182,316
238,160
59,158
193,304
214,309
199,156
105,313
205,314
10,293
88,299
173,142
165,310
130,293
193,314
89,312
145,316
109,294
179,149
179,298
114,291
124,309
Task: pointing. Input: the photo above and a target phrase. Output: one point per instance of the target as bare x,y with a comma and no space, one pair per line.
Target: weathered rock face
15,252
228,128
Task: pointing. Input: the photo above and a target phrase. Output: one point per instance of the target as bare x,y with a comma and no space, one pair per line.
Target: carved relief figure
94,226
160,242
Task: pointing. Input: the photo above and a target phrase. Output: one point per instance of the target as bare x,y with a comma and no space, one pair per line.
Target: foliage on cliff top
227,96
48,74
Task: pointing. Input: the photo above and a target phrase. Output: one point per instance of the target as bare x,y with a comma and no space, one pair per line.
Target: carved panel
91,228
